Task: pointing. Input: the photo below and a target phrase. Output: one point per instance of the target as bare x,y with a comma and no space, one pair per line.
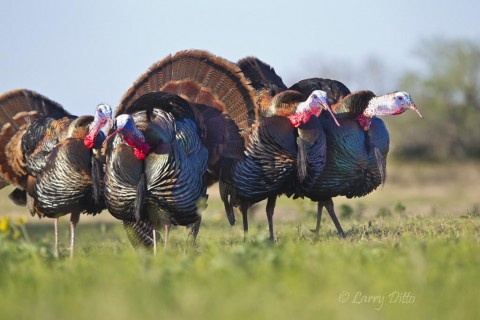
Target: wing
174,183
66,184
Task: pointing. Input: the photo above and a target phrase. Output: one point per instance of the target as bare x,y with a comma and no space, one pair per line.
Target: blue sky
81,53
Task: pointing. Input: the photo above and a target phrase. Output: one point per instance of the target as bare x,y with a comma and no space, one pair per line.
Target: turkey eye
400,98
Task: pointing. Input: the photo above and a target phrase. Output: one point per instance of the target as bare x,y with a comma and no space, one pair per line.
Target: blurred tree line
448,94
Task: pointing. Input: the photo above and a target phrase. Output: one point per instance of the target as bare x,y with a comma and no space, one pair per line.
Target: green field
403,257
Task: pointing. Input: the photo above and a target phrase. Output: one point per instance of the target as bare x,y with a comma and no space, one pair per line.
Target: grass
396,262
419,266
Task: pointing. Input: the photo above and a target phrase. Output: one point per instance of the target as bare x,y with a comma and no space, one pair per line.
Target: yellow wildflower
22,220
16,234
4,227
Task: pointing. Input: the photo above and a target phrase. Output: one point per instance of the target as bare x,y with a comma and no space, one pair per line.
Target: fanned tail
18,109
22,100
273,97
200,78
261,74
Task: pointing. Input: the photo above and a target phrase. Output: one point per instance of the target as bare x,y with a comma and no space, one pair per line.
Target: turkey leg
244,209
167,231
154,236
328,204
74,218
270,211
55,250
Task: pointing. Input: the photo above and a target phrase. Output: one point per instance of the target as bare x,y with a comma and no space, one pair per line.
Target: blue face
404,101
403,98
104,111
123,121
319,97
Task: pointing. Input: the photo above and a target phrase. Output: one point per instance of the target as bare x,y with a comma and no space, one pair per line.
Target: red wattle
140,154
306,116
364,122
88,141
295,120
141,151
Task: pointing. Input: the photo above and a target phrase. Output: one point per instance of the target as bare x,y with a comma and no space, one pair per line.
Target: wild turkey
51,157
156,166
227,123
272,147
357,149
201,105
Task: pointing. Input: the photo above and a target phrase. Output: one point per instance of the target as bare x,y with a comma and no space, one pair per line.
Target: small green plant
399,208
13,229
346,211
474,212
384,212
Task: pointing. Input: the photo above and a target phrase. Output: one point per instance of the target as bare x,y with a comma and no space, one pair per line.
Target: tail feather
156,79
219,83
16,101
261,74
183,89
18,109
12,164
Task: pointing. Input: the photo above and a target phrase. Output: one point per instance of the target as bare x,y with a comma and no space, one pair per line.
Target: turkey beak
414,108
327,107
